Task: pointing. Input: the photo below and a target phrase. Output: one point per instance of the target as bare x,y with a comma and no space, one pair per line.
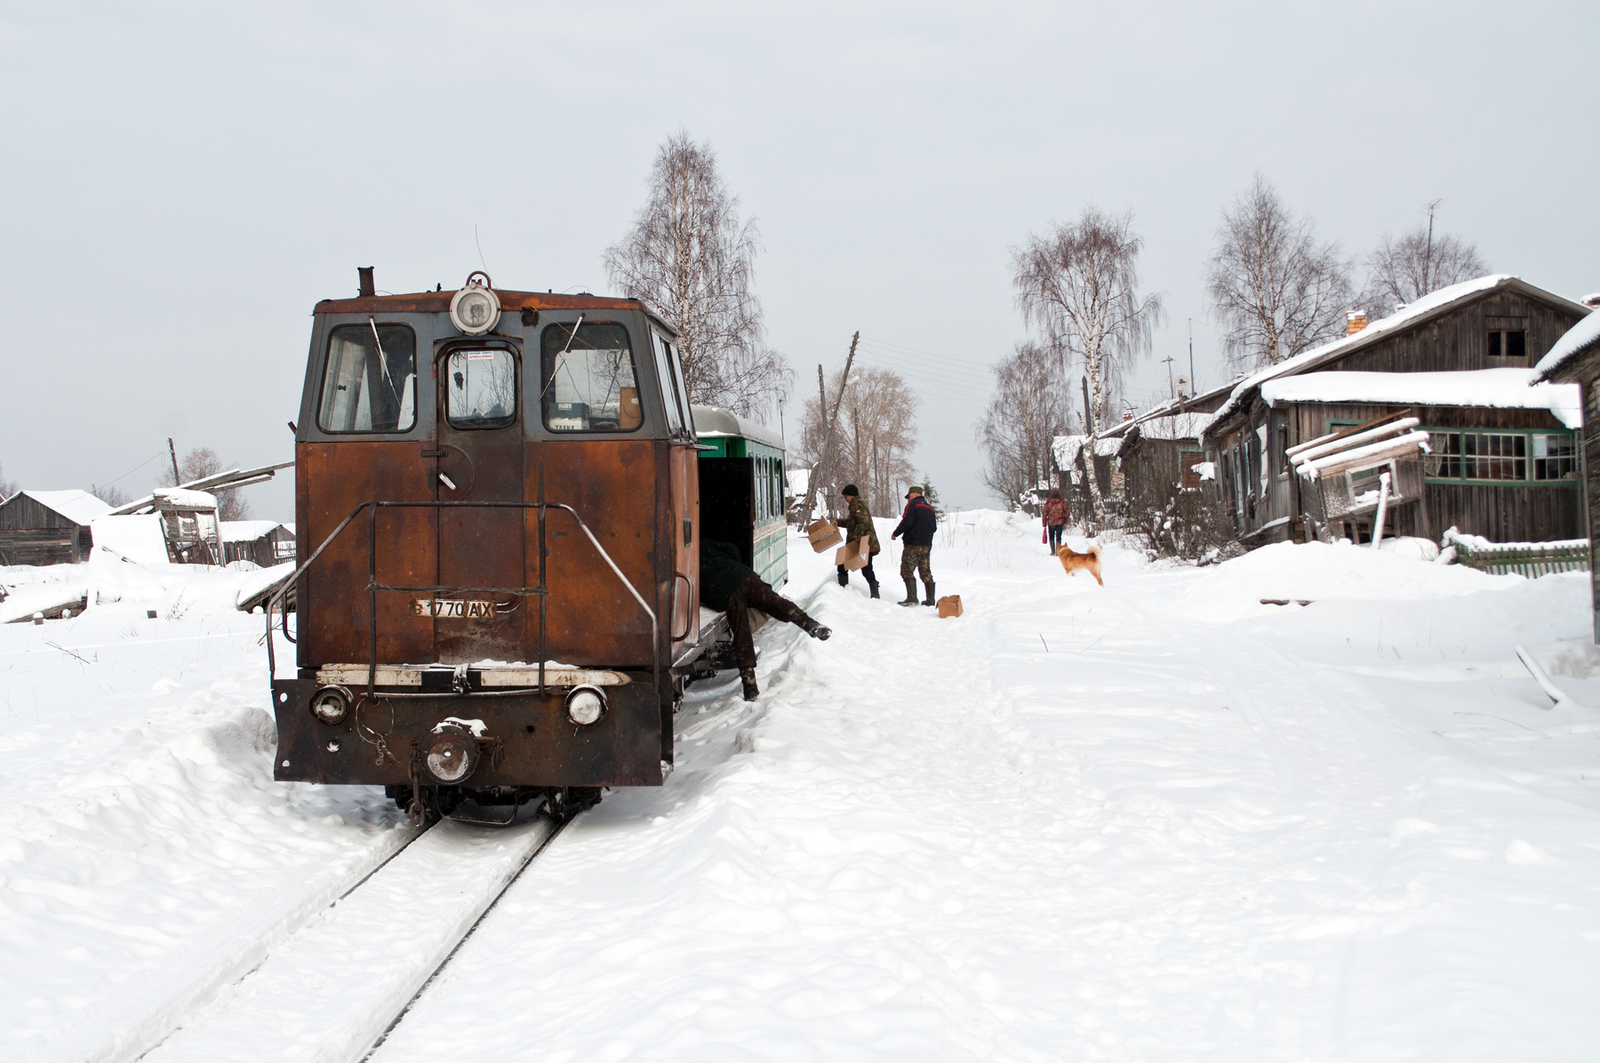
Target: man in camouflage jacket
858,525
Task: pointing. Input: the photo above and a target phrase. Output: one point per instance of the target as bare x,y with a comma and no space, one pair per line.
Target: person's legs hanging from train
753,593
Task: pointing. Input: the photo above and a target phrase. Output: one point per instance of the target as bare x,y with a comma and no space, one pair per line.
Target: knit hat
850,489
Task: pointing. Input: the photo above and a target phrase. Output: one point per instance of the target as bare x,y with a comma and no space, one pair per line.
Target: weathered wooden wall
1459,340
32,534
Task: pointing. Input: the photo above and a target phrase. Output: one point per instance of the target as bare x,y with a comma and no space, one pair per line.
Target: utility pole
1194,388
176,479
1172,391
827,435
1427,256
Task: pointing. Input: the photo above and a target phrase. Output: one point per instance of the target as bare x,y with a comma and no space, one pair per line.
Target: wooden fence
1527,559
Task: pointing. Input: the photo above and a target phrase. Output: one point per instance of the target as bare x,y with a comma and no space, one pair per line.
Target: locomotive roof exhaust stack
367,288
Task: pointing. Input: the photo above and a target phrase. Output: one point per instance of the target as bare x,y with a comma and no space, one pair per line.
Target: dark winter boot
874,586
816,630
911,592
929,599
747,677
844,576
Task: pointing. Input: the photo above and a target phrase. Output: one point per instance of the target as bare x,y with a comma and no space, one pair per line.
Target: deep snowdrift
1158,820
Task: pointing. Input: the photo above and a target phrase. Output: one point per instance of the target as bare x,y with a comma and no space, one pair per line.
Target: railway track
331,991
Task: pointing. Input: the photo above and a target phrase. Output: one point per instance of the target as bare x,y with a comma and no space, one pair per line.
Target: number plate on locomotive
452,608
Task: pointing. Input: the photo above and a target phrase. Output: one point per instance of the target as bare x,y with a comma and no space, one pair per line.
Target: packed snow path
1154,821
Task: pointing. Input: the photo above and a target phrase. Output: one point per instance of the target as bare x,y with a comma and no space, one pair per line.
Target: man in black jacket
729,585
917,523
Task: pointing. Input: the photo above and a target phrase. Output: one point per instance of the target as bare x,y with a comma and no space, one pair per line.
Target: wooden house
1501,461
1575,359
48,527
265,542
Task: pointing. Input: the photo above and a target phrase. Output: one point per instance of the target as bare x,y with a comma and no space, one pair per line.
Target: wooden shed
265,542
1503,458
1575,359
48,527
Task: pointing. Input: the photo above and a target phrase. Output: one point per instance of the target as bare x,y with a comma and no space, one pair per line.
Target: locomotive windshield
482,389
371,382
589,383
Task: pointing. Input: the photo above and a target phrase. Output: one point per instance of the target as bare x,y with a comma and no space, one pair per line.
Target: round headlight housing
452,756
331,704
475,309
585,705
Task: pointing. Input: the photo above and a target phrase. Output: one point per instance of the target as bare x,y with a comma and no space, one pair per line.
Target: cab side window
588,383
371,380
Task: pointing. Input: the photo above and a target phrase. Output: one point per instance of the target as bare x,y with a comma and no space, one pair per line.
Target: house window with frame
1510,344
1501,457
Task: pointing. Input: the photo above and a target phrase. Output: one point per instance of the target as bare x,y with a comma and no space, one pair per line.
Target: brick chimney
1354,322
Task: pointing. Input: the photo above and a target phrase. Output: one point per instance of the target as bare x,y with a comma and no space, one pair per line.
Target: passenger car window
363,391
481,388
588,382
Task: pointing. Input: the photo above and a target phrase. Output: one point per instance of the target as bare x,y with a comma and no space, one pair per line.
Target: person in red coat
1056,515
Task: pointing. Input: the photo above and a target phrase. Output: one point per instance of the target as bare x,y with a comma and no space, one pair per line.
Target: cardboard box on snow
949,605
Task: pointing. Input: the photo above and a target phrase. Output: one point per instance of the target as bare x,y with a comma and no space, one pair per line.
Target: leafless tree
200,463
872,440
1275,289
690,256
1404,269
1030,407
7,487
111,495
1078,286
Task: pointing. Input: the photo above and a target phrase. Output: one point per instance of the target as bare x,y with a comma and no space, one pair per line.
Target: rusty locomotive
497,511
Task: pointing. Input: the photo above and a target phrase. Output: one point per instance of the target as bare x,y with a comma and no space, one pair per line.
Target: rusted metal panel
332,480
592,619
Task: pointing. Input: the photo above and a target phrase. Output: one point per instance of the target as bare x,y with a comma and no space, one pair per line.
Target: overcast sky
182,182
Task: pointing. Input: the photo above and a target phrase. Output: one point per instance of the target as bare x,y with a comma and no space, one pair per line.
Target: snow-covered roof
244,531
1496,388
80,507
1575,341
711,422
1405,317
796,480
182,497
1067,448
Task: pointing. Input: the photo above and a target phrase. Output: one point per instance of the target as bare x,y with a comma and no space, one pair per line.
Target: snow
1157,820
1067,448
80,507
1495,388
1577,339
244,531
184,498
139,539
1402,318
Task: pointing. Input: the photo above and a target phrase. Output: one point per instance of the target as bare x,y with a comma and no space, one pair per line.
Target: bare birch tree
690,256
1029,409
872,440
1404,269
1275,289
1078,286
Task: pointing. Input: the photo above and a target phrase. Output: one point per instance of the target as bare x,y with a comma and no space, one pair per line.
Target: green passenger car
742,492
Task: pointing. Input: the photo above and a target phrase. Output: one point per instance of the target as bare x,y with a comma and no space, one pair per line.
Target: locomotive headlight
585,705
475,309
331,705
452,756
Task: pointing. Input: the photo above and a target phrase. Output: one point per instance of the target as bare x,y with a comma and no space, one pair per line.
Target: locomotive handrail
373,586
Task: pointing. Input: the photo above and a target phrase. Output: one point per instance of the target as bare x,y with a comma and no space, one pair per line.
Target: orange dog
1071,560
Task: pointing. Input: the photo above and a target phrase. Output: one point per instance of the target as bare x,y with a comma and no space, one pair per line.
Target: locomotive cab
496,511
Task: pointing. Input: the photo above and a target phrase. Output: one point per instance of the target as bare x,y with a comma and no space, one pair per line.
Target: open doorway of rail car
479,450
